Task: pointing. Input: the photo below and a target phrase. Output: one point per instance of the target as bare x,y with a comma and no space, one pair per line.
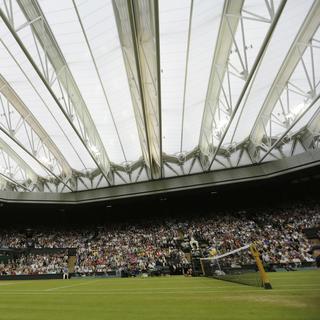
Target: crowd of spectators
35,264
155,245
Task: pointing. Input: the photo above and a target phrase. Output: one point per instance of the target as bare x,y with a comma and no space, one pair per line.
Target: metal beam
249,76
91,140
8,179
218,70
311,131
186,75
99,77
157,41
29,172
284,134
3,184
36,159
295,53
27,116
209,180
138,30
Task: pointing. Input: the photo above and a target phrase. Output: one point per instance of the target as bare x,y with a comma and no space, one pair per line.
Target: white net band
228,253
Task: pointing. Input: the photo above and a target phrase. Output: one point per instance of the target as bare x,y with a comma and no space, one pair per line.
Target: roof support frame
29,173
15,183
157,41
139,40
42,100
186,74
27,117
99,77
248,77
218,70
282,81
284,134
311,132
42,32
210,180
22,147
147,84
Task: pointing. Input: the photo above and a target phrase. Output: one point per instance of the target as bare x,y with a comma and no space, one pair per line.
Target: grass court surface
296,295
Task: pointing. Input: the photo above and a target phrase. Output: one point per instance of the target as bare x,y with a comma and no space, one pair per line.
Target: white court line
231,287
7,284
284,277
25,292
296,285
74,285
227,286
11,283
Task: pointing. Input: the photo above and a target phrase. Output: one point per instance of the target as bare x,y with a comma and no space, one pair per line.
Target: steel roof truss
18,117
283,88
219,109
137,24
57,76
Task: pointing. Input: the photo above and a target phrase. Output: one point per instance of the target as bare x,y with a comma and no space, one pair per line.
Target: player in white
65,273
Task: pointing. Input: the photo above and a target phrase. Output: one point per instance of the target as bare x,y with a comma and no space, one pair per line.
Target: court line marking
71,286
25,292
231,287
285,276
7,284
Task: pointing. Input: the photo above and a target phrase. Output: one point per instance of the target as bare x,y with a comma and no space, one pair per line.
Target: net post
264,278
202,267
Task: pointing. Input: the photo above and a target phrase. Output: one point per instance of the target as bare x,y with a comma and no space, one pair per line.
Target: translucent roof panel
100,75
174,25
27,159
100,93
20,74
187,38
284,34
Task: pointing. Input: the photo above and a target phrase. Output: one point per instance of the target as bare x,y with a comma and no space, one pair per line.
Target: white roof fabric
126,91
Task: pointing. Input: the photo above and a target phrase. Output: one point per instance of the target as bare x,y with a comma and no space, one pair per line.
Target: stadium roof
97,93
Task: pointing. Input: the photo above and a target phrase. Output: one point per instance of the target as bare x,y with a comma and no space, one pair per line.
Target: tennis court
295,295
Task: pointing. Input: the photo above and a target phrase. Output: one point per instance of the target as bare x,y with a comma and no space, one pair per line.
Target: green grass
296,295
